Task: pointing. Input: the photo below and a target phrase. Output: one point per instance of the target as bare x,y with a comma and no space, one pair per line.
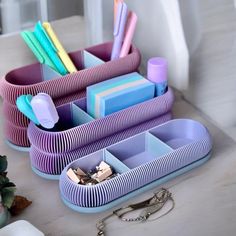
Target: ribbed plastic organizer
77,134
160,154
36,78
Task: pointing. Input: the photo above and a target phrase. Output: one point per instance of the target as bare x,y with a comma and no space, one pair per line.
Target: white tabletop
205,197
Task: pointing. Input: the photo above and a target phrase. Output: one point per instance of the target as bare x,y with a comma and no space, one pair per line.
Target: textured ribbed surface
68,140
52,163
16,134
105,192
62,90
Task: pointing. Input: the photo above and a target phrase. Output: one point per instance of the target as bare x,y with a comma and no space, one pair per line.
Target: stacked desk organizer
77,134
160,153
37,78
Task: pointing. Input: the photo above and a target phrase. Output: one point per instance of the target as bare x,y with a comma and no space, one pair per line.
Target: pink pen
130,28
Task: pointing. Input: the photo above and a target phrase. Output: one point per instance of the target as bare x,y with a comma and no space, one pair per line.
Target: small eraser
71,174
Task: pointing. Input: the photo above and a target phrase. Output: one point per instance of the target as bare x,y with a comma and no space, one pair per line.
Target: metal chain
149,206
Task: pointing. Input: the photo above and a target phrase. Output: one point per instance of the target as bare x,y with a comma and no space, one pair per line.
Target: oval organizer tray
160,153
77,134
36,78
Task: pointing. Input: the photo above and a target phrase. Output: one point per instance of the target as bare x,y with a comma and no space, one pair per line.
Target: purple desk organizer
77,134
158,152
37,78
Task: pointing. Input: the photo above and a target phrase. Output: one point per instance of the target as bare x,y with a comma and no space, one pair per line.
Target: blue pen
49,47
119,30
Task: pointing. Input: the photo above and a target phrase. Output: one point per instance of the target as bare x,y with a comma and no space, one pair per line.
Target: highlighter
23,104
157,73
60,50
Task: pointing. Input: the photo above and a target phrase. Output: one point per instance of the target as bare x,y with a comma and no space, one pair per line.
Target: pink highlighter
130,28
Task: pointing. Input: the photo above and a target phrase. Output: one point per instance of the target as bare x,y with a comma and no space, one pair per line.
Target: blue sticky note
119,93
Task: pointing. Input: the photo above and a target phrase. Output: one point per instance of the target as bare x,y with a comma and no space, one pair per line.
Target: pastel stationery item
81,137
143,162
60,50
23,103
119,30
32,79
129,33
89,60
157,73
45,110
49,47
98,88
37,49
119,93
116,2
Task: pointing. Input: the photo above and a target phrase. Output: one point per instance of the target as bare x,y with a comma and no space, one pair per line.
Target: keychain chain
149,206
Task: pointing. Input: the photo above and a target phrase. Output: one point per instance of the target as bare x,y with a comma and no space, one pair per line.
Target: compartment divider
90,60
79,116
116,164
156,146
48,73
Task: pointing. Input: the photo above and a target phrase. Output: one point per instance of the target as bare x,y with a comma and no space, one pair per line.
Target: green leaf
3,163
3,180
8,196
9,184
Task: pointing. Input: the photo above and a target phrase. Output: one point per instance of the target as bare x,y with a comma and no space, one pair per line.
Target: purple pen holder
77,134
36,78
158,153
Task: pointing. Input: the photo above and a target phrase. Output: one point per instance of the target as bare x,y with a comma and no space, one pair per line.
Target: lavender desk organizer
77,134
160,154
36,78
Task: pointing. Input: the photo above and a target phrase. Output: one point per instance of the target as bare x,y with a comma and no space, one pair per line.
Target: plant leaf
3,180
19,204
3,163
8,196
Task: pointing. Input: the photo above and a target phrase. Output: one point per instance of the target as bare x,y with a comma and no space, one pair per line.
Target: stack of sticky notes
119,93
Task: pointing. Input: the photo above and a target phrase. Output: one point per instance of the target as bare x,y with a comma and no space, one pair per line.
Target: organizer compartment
69,144
139,149
70,115
50,165
168,162
101,128
178,134
90,162
63,89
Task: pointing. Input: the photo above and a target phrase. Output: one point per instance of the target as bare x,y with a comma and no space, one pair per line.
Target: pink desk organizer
36,78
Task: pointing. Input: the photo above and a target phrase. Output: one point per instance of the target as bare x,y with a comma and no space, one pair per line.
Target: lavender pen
119,30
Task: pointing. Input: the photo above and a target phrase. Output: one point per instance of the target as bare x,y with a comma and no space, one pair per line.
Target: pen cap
23,103
45,110
157,69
